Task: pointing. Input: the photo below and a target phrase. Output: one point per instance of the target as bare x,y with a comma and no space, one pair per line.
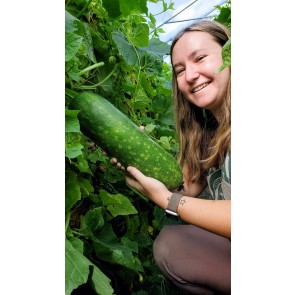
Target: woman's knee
194,259
165,245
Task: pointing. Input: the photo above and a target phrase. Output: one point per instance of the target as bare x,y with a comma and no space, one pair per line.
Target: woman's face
195,58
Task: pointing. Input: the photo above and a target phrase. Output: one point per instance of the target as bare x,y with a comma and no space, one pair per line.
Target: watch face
171,212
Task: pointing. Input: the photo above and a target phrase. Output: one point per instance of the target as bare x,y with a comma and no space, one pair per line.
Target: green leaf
73,150
139,6
140,100
86,186
146,84
149,128
112,7
130,244
157,48
70,23
76,268
165,142
89,43
83,165
92,221
77,244
224,15
72,123
101,282
72,70
133,225
226,56
97,155
140,36
108,249
117,204
125,48
72,193
73,42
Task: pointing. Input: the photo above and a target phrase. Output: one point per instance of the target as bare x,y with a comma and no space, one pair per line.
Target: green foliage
226,56
109,226
224,17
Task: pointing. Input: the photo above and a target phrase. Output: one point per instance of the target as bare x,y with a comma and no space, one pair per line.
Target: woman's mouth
198,88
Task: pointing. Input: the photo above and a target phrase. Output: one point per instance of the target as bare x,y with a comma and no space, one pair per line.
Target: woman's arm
212,215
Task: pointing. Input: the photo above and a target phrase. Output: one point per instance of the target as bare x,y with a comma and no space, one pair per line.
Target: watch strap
173,204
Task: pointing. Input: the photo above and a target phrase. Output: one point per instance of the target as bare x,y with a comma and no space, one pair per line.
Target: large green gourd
109,128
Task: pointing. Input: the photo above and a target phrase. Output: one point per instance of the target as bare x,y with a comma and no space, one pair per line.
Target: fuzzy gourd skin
113,131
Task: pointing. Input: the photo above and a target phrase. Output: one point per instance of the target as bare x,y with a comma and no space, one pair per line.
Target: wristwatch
173,204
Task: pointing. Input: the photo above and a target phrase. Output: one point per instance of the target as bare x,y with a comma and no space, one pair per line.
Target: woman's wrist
162,201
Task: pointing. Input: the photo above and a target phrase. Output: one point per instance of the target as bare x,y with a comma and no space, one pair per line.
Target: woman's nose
191,73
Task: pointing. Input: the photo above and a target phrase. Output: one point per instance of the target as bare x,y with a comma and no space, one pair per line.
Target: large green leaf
73,42
117,204
127,51
140,37
108,248
77,270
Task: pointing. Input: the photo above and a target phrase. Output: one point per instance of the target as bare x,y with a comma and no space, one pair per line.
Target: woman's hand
152,188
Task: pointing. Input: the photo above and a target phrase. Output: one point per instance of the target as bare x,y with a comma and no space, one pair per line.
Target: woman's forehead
194,37
193,41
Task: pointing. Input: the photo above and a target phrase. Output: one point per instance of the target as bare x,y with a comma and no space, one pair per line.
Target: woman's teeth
200,87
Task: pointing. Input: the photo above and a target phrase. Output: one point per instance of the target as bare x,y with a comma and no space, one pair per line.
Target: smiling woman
205,109
196,256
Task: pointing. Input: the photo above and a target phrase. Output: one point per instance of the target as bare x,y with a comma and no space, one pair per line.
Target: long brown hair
203,141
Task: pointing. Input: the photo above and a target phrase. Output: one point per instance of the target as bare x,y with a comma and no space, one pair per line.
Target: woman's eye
200,57
179,71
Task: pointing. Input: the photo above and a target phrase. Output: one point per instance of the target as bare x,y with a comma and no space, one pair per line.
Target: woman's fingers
135,173
135,184
114,160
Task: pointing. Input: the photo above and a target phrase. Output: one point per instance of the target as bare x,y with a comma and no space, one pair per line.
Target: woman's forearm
212,215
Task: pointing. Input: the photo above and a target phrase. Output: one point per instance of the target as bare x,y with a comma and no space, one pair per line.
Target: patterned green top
219,180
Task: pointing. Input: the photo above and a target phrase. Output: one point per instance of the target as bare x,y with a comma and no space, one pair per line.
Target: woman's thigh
194,259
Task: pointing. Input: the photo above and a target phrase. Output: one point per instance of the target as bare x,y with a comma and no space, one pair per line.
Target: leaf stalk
97,65
101,82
